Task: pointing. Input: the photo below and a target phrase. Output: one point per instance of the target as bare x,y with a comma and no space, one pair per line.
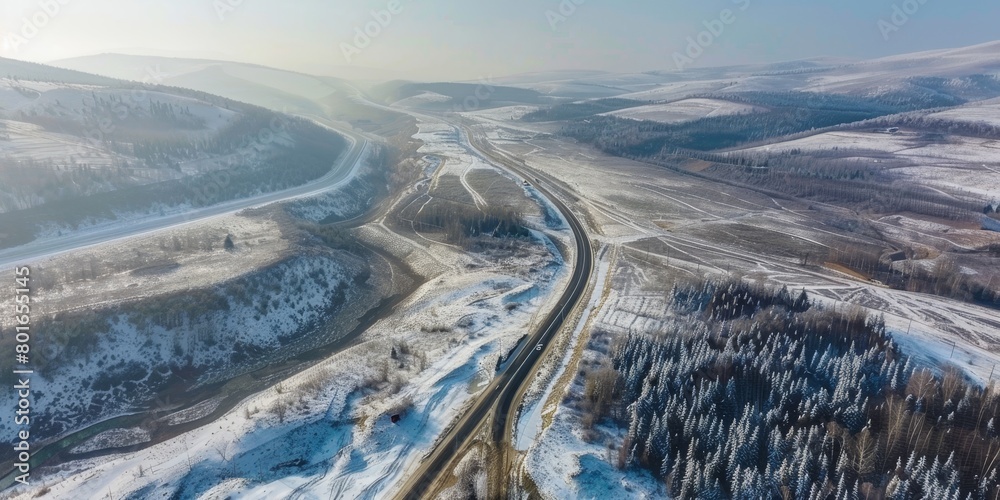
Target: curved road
498,398
341,173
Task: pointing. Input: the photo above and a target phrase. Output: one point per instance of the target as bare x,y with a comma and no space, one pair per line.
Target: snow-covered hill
275,89
79,149
111,362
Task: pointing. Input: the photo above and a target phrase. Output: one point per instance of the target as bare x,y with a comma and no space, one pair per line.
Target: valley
774,280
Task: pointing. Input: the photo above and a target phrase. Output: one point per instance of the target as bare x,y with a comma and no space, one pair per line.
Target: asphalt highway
497,400
340,174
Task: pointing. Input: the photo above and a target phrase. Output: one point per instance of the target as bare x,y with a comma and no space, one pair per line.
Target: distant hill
275,89
961,70
79,149
446,95
23,70
259,85
959,74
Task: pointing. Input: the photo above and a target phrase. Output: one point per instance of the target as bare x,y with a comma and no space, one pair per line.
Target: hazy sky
450,39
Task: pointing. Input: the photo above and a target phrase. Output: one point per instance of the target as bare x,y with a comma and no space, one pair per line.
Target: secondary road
499,396
340,174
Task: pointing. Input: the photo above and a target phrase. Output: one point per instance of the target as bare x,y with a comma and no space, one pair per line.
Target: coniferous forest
756,392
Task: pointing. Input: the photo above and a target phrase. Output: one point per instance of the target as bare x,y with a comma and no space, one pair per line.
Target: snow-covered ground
441,140
691,220
960,163
685,110
559,460
26,141
665,224
582,84
80,103
539,403
980,112
503,113
134,351
889,73
563,465
562,462
326,432
160,263
679,90
423,98
954,151
61,140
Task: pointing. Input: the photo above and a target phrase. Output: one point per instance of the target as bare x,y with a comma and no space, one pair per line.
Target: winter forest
754,392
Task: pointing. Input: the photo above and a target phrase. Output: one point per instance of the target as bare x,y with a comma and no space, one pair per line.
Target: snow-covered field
935,235
422,98
563,465
669,226
503,113
326,432
80,103
26,141
685,110
980,112
342,203
441,140
960,163
679,90
542,397
134,351
562,462
583,84
59,140
888,73
166,262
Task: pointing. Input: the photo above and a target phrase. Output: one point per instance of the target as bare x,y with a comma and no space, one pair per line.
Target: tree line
465,224
755,392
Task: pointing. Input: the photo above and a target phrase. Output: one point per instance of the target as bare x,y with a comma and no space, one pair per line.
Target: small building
896,256
991,224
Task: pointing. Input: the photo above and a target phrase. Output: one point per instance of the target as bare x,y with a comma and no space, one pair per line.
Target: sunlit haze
439,40
553,249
